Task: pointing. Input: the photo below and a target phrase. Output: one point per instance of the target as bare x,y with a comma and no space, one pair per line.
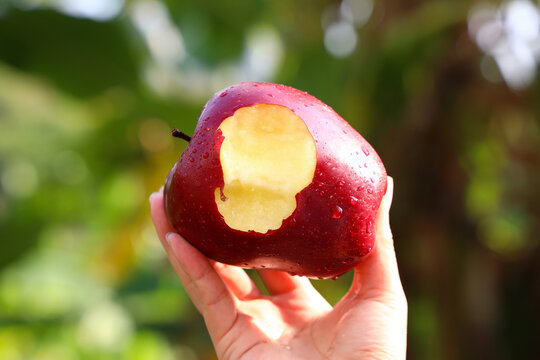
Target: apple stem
178,134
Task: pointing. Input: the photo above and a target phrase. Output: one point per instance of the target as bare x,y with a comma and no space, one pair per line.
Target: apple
274,178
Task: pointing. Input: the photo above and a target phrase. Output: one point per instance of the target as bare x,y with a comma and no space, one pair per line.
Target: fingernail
152,195
168,238
389,185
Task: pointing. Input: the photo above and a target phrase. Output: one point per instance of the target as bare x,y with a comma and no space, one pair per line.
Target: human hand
294,321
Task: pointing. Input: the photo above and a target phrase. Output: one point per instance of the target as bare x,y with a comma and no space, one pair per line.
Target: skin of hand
294,321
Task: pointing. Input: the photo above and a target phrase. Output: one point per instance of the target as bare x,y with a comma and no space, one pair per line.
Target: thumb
378,273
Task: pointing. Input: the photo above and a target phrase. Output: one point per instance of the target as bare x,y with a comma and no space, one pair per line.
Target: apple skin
332,228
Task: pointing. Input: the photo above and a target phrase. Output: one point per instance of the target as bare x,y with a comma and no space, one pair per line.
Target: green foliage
86,106
82,57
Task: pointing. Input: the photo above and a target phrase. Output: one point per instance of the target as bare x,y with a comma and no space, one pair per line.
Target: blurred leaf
86,109
81,56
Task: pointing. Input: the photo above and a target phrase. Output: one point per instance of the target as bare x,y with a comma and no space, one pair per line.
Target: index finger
203,284
159,217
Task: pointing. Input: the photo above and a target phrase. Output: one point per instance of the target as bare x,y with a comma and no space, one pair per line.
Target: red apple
274,178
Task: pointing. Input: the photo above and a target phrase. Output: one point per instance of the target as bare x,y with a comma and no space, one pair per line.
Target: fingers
163,227
161,223
238,281
384,233
379,273
279,282
207,290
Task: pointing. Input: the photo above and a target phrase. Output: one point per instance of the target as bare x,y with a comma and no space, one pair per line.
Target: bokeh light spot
357,11
105,326
489,70
163,38
70,168
92,9
122,194
504,233
99,10
20,178
155,135
340,39
263,54
510,34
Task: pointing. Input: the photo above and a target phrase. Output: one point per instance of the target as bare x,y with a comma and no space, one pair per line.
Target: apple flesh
274,178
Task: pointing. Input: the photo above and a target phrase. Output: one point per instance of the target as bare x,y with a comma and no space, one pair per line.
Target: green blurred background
445,90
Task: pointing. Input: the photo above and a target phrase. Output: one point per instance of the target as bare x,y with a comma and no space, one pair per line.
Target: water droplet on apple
369,191
340,183
369,227
199,142
271,95
335,277
191,159
207,129
353,200
223,94
337,212
347,261
320,184
366,151
205,155
194,151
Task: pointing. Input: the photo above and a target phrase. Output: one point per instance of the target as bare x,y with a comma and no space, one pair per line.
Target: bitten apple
274,178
